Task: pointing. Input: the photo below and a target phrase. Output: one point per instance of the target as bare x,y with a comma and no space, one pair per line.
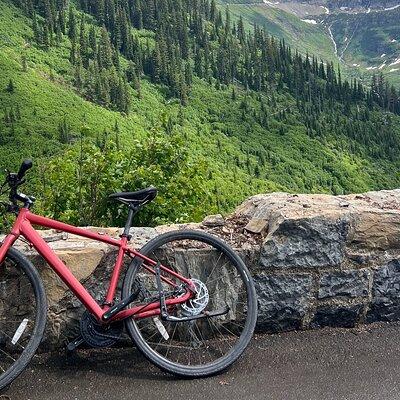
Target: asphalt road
328,364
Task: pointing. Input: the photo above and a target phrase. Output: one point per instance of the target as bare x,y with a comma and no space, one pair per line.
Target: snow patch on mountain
333,39
326,9
392,8
395,62
310,21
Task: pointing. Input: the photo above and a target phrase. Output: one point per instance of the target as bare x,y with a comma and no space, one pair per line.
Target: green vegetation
182,98
80,195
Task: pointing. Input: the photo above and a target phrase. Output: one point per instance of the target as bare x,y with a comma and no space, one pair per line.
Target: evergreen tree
227,21
58,33
78,74
10,87
194,37
213,11
24,63
183,93
72,34
63,131
198,63
36,31
105,51
188,74
137,15
132,76
83,44
61,21
72,54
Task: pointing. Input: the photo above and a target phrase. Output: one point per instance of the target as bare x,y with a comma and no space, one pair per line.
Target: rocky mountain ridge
344,4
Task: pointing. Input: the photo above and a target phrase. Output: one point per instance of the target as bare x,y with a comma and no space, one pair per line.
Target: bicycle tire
195,371
8,376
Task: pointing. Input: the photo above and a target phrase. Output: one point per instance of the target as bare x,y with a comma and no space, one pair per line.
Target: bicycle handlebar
14,180
25,166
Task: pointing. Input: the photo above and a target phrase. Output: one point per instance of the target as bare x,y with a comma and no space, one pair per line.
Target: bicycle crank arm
206,314
118,307
72,346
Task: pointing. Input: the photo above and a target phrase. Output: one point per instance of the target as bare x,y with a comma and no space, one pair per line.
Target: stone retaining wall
317,260
327,261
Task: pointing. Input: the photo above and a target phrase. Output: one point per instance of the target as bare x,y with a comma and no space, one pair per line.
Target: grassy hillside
232,142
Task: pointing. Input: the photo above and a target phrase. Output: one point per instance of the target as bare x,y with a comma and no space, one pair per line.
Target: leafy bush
75,186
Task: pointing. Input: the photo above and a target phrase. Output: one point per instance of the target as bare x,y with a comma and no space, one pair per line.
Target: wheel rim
18,315
206,341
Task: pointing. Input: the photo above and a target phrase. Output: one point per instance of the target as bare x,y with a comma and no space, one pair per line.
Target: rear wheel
23,310
205,346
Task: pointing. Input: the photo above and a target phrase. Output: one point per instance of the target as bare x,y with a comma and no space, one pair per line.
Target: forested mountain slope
363,36
116,95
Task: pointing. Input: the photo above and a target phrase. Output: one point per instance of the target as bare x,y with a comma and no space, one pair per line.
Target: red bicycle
187,299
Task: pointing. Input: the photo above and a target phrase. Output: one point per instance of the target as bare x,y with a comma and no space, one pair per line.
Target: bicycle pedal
72,346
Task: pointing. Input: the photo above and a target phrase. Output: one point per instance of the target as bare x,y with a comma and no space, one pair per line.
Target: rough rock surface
348,246
284,300
317,260
385,303
305,243
353,283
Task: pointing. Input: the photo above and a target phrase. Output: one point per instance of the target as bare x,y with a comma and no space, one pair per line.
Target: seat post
132,211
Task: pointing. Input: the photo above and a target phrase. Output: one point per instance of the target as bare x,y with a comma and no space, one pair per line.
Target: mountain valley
362,36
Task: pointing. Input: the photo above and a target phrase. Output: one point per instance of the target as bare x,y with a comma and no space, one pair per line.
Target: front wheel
23,311
205,346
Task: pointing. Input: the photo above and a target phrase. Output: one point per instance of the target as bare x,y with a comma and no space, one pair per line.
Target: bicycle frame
23,227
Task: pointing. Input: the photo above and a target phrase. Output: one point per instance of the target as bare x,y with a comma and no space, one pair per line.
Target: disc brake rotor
196,305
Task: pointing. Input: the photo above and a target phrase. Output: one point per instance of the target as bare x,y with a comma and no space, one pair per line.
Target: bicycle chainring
98,335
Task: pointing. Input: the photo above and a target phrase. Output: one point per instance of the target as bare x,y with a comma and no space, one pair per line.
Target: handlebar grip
25,166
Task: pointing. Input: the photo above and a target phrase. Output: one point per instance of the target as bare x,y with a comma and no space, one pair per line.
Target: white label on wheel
161,328
18,333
